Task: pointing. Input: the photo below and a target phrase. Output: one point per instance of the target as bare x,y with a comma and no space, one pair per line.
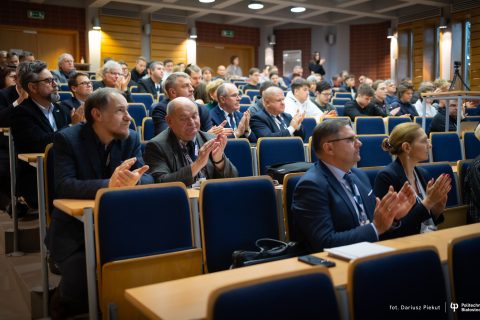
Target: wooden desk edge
30,157
140,306
451,93
73,207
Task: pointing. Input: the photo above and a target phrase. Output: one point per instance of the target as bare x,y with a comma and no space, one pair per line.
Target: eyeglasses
49,81
326,94
234,95
85,83
351,139
116,73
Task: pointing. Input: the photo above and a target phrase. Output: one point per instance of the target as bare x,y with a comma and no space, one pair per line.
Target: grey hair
63,56
154,64
28,71
109,65
172,80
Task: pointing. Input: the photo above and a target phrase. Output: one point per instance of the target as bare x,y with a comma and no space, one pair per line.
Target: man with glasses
81,87
185,153
362,105
35,121
226,113
438,121
323,93
333,203
112,77
66,68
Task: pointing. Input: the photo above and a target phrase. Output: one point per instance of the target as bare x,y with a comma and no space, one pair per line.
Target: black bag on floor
278,171
269,250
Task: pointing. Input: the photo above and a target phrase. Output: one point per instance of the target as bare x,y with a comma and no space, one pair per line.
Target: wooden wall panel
121,39
475,50
168,41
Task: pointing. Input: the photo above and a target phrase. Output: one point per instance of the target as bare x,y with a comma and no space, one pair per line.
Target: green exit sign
36,14
228,33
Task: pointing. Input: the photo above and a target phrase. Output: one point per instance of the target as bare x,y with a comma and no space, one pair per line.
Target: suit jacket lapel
90,144
39,114
59,117
337,187
364,194
271,122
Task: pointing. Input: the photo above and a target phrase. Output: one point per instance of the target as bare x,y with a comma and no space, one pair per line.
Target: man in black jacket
153,84
35,121
81,87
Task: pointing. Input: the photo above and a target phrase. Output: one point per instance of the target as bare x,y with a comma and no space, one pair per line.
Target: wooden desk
30,158
187,298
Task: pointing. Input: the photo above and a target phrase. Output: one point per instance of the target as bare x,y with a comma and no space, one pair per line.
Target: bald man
272,121
184,153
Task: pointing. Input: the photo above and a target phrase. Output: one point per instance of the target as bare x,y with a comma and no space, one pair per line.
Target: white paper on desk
357,250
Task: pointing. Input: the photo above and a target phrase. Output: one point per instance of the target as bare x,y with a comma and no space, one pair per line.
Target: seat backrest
133,125
64,95
413,276
435,169
289,183
340,101
462,170
471,145
463,265
244,108
252,94
371,173
134,89
277,297
469,111
369,125
340,110
428,121
238,151
64,87
234,213
137,111
392,122
308,124
371,152
272,151
245,100
148,131
343,95
445,146
145,98
311,152
141,221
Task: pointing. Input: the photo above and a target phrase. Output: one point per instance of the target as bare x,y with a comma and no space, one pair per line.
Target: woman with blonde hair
212,87
409,143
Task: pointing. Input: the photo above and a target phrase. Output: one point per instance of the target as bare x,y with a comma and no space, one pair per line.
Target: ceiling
275,13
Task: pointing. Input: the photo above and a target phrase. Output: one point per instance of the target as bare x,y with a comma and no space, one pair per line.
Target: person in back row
81,87
362,105
66,68
272,121
152,84
183,152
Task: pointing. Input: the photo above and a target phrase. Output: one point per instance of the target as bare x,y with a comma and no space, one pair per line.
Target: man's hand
123,177
203,155
122,83
384,215
220,129
78,115
244,125
297,120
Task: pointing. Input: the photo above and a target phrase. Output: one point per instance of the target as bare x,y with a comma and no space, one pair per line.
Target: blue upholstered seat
369,125
145,98
371,152
471,145
392,122
445,146
147,129
240,154
278,150
137,111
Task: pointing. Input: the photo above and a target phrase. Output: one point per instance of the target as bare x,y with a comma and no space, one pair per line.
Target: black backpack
472,190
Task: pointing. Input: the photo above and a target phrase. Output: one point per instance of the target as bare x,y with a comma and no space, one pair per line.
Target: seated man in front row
183,152
333,203
101,153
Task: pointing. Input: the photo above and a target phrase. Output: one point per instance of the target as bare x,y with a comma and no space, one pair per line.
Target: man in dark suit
178,84
272,121
81,87
103,152
153,84
35,121
226,114
333,203
185,153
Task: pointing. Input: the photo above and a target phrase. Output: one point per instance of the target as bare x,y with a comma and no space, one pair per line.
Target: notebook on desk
357,250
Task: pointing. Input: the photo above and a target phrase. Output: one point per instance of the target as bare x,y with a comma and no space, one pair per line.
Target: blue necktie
282,123
362,217
232,121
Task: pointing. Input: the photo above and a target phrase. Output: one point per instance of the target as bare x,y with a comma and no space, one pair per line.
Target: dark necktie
362,217
282,123
232,121
191,150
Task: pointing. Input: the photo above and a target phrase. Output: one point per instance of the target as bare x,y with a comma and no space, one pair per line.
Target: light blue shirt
48,113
